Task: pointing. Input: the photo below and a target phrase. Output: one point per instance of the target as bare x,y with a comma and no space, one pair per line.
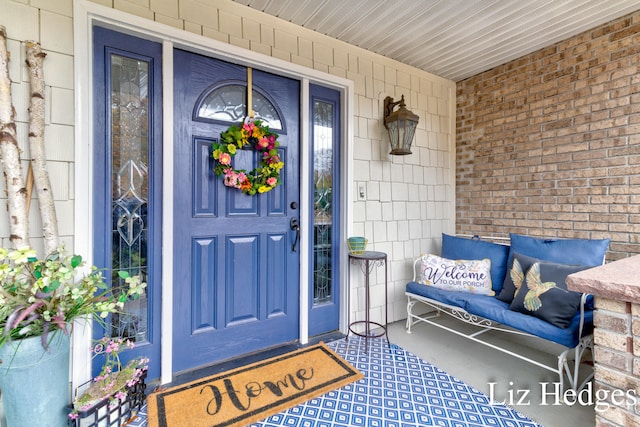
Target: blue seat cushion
498,311
456,248
457,299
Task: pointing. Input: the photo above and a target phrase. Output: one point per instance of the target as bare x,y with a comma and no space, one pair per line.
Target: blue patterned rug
398,390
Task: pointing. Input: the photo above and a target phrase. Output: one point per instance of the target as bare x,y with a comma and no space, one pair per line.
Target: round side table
367,261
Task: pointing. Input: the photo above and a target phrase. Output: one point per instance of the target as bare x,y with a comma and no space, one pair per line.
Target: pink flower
230,180
113,347
272,181
108,387
272,142
225,159
248,127
269,159
233,179
263,143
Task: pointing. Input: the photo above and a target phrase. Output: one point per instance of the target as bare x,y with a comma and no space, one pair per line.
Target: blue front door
236,257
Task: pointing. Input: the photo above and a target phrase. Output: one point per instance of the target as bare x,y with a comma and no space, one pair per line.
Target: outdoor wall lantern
401,125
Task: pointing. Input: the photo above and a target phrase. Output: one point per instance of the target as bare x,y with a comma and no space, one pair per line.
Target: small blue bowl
357,245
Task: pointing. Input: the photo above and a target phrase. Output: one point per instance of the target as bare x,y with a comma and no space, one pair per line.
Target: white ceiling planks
454,39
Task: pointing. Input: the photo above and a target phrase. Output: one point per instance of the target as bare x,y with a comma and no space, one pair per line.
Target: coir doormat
253,392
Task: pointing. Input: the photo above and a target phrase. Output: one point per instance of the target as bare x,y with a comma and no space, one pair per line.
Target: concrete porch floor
478,366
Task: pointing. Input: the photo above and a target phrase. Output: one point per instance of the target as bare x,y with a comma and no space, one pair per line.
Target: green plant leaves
76,260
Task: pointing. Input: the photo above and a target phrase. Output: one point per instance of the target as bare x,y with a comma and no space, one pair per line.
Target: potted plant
117,393
39,301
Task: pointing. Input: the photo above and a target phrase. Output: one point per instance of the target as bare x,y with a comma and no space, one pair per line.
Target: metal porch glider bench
518,289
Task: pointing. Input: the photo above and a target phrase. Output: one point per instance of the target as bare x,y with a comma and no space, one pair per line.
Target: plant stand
102,415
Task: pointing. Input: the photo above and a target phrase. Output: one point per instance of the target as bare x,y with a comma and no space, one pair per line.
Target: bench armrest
583,303
415,268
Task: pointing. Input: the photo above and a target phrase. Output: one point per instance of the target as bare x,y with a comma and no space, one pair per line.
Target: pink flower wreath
253,134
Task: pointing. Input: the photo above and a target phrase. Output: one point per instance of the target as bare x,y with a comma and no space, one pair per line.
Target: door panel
127,159
205,195
236,283
242,275
324,300
203,285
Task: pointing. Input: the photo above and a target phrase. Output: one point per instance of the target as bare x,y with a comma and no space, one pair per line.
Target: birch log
11,167
35,58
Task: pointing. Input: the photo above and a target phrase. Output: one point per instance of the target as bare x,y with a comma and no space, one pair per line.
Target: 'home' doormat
253,392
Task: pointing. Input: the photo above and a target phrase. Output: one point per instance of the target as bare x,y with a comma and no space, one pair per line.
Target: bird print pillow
515,275
457,275
541,291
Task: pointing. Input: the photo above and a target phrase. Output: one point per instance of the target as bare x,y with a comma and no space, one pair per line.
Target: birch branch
12,169
35,58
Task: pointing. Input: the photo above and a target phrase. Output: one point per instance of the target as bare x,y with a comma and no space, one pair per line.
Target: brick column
616,288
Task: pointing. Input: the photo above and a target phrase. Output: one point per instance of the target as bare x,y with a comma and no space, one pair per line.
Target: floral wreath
253,134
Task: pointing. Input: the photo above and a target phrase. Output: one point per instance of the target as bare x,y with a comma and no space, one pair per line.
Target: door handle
295,225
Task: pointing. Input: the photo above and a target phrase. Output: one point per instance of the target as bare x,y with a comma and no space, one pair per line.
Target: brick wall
549,144
617,367
616,338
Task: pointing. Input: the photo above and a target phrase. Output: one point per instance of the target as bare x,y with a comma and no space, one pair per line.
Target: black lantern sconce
401,125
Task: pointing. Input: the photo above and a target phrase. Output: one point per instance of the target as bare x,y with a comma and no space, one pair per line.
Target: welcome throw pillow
457,275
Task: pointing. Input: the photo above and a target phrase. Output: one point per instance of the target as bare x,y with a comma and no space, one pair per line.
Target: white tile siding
50,22
203,13
409,199
21,21
56,33
61,7
165,7
133,7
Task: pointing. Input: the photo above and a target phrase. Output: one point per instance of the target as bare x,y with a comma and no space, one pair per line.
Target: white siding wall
50,23
409,199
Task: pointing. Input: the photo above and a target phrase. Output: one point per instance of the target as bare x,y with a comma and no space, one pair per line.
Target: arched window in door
227,102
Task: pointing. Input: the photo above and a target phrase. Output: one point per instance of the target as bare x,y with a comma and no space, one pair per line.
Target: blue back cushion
454,247
585,252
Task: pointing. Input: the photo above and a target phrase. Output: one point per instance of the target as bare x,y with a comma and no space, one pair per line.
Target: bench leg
410,304
573,372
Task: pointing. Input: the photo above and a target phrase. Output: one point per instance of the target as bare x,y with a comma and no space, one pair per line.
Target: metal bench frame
569,360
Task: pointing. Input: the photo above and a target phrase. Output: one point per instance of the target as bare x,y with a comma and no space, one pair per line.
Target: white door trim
85,15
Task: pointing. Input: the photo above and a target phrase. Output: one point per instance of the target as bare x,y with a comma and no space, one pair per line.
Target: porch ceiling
454,39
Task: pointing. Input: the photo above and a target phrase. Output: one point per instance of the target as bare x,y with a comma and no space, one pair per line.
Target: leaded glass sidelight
130,187
228,103
323,131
